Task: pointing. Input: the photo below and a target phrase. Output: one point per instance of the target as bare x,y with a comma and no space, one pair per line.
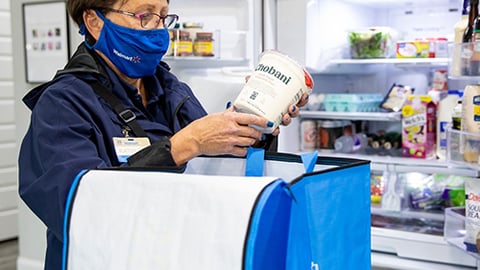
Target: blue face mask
136,53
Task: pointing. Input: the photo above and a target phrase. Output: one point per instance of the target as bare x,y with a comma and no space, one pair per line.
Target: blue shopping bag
319,221
289,212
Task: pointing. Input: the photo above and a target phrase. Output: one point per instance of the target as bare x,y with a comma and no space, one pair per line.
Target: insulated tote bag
266,211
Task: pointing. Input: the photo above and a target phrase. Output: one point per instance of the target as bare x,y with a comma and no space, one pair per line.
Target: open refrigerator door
408,224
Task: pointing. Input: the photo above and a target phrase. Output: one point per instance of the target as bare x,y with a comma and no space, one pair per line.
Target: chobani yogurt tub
277,82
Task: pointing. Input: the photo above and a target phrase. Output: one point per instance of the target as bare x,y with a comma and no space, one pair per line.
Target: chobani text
272,71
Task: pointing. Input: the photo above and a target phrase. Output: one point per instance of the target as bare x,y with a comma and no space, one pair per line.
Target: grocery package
471,122
374,42
361,102
436,192
191,40
472,214
376,188
418,127
412,49
422,48
396,97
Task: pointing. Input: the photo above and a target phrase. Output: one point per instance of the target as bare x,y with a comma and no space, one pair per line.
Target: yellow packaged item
413,49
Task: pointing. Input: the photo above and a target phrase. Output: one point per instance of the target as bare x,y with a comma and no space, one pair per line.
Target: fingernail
294,108
270,124
264,137
229,104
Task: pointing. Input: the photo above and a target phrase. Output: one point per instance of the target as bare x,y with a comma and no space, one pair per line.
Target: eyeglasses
150,20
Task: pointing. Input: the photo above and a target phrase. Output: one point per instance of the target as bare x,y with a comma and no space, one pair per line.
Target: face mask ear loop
89,40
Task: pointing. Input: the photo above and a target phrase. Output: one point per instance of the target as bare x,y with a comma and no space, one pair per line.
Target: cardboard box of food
413,49
418,127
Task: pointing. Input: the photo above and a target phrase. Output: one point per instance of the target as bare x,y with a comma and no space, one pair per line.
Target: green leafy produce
371,44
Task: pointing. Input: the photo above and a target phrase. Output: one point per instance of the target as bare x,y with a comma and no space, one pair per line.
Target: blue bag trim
260,222
254,162
66,218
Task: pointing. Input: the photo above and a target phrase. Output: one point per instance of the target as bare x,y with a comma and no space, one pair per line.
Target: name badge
125,147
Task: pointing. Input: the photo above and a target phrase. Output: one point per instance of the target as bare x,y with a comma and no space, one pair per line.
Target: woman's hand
294,110
227,132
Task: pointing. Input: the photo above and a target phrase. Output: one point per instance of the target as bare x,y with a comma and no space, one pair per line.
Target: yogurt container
277,82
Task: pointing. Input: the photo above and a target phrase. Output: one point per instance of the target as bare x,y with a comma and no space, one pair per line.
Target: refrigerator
317,33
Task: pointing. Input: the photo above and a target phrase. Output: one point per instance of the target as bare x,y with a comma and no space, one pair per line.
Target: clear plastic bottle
444,118
459,29
351,143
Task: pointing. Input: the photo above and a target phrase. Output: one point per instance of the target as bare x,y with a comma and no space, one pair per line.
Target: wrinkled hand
294,110
227,132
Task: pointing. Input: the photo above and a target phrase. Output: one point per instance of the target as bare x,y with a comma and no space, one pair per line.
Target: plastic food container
368,102
374,42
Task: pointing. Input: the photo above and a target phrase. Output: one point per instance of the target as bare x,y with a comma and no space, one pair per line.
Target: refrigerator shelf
367,116
419,246
404,164
395,61
372,66
454,229
202,62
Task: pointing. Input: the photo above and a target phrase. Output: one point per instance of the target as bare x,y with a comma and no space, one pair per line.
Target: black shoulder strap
127,116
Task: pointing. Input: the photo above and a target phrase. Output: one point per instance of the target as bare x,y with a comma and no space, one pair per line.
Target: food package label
472,214
413,49
419,127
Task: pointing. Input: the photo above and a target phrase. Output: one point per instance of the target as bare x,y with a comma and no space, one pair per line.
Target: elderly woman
115,91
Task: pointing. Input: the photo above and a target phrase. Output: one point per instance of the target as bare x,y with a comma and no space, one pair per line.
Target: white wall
8,172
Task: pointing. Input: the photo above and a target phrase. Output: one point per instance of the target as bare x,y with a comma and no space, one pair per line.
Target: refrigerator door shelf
384,261
418,246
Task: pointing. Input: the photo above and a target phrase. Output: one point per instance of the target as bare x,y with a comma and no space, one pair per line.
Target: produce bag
289,212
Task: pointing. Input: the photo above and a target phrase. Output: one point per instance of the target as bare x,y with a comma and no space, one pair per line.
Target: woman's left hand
294,110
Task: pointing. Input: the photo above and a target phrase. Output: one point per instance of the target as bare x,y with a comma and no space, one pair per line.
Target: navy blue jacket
71,129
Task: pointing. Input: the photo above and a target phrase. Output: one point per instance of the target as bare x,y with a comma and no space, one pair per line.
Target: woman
113,91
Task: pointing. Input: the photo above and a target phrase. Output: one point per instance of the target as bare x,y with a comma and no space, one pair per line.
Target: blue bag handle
309,160
254,164
256,156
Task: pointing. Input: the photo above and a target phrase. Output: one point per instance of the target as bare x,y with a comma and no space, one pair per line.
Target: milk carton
419,127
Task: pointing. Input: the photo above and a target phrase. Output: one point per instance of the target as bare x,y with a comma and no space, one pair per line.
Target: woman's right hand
227,132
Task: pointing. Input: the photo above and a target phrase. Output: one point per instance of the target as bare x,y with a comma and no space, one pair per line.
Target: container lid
453,92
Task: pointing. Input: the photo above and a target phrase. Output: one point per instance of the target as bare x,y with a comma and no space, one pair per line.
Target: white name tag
127,146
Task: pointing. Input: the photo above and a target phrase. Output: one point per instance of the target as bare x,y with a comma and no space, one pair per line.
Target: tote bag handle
256,156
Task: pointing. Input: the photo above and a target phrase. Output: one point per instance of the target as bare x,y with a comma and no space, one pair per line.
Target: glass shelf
367,116
394,61
454,230
370,66
202,62
405,164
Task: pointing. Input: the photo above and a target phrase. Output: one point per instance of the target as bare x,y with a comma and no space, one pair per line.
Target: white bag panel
151,220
